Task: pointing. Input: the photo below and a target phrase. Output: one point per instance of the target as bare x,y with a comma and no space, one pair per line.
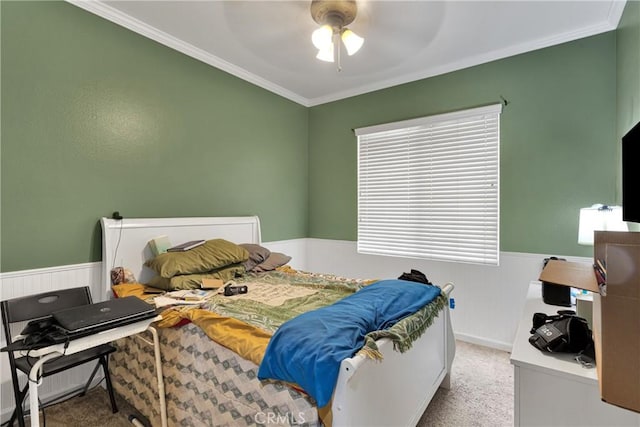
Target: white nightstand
554,389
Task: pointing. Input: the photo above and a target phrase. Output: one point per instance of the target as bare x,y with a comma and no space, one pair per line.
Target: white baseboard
504,346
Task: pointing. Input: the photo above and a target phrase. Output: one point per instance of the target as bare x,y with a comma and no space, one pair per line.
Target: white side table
74,346
554,389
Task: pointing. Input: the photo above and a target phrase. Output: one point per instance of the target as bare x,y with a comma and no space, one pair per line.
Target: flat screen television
631,175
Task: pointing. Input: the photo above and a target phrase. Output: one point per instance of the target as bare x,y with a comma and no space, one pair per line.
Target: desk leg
34,406
161,392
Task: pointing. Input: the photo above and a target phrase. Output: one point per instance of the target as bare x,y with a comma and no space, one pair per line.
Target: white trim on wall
295,248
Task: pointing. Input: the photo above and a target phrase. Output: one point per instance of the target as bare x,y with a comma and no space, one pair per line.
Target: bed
179,376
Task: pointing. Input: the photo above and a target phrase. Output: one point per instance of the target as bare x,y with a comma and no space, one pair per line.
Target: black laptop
92,318
81,321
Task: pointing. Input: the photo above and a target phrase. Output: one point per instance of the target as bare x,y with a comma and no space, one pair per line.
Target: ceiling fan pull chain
337,43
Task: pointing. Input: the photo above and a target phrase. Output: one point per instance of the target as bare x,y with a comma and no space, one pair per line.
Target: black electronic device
104,315
50,336
232,289
37,326
41,333
554,294
631,175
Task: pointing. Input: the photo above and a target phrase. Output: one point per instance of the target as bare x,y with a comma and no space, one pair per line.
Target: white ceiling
268,43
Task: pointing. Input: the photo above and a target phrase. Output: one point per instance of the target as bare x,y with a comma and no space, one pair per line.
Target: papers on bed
265,293
182,297
273,295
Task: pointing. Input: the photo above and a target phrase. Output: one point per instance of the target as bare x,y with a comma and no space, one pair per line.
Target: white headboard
125,241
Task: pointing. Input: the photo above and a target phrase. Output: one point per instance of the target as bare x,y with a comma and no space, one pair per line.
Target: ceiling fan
333,16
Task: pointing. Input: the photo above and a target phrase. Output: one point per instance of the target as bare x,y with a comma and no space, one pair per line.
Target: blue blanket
307,350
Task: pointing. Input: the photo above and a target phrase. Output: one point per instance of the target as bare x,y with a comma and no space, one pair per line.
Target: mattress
206,384
209,384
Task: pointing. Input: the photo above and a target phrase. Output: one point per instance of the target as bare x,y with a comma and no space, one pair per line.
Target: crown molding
109,13
615,13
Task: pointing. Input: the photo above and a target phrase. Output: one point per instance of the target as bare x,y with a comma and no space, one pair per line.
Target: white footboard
397,390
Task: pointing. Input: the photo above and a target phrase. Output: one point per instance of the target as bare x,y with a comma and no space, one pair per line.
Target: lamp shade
599,217
322,37
352,41
326,53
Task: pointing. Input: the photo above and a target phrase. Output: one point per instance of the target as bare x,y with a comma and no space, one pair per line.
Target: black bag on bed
561,333
415,276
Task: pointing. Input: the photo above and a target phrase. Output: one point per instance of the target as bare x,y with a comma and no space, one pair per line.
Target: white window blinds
428,187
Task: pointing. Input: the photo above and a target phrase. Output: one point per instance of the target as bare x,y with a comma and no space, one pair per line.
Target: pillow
212,255
274,261
193,281
257,255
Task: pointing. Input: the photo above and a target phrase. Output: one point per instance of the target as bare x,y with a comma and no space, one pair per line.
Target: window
428,187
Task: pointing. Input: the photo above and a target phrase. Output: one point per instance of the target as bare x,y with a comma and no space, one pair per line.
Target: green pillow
193,281
213,254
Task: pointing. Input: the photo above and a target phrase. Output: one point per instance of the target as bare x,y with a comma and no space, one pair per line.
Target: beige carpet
481,391
91,410
481,394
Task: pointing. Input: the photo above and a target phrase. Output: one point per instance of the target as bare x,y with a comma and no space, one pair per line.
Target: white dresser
554,389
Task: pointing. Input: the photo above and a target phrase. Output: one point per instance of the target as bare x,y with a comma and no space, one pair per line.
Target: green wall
556,141
96,119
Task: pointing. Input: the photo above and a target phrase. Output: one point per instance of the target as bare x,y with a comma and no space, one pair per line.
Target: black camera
232,289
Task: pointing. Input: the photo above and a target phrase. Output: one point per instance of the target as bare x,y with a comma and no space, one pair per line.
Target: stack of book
186,246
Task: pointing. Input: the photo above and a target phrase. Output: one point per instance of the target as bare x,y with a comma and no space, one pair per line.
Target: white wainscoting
28,282
488,300
295,248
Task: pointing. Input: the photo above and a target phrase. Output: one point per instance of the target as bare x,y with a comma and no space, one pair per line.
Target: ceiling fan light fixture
322,37
333,16
352,41
326,54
